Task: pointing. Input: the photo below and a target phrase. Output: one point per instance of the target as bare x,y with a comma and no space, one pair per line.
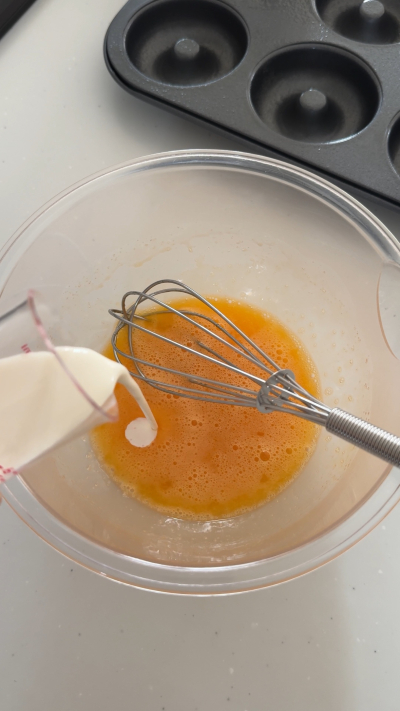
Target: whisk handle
374,440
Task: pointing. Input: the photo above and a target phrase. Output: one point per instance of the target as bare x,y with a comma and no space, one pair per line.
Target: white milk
41,406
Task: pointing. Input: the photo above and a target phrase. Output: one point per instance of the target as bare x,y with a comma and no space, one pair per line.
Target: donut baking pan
312,81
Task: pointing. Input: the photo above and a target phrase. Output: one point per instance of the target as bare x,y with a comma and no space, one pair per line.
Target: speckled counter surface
72,640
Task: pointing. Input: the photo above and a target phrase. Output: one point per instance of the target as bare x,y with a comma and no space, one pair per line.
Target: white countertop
72,640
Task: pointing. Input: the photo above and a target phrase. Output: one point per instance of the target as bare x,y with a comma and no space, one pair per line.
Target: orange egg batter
209,460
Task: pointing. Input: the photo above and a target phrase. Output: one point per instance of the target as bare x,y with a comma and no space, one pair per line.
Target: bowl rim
238,577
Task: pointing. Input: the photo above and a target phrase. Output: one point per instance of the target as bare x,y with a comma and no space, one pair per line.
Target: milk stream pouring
48,398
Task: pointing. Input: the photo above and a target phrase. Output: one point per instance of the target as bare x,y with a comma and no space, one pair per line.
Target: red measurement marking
25,348
6,472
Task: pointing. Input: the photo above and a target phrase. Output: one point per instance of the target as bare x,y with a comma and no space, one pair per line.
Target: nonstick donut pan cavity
313,82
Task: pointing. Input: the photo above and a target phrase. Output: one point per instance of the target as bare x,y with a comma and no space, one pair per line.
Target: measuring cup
50,396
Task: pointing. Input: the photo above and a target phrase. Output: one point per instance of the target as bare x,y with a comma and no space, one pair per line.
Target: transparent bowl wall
260,231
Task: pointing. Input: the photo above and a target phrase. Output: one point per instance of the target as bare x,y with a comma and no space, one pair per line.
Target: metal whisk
270,388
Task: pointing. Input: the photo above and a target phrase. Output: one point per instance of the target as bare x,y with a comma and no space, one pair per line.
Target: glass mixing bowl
251,228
